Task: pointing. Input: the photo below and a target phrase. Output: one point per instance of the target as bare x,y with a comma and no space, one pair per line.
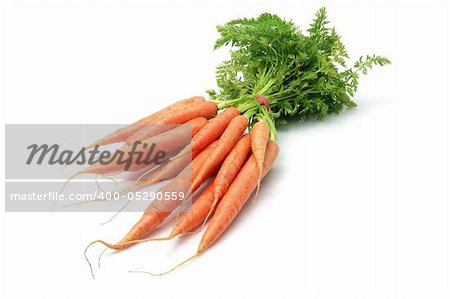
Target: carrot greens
274,64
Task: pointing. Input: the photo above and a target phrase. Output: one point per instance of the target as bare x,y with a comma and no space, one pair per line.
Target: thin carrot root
107,177
196,255
146,181
86,257
131,188
257,190
189,233
84,172
134,186
98,188
142,175
82,203
70,179
122,244
100,256
64,186
117,247
199,228
116,213
211,209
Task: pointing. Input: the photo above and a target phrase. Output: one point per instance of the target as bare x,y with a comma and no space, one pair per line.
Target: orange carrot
197,124
196,214
171,108
156,213
260,137
123,133
236,196
226,142
232,165
229,169
167,142
211,131
204,109
233,201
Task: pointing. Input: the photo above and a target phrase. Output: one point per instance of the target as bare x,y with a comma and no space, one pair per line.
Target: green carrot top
276,71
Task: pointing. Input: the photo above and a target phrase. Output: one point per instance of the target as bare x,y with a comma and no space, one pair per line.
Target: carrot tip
211,209
116,213
257,192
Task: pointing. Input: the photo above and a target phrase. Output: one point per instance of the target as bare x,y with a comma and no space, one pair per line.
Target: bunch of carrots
219,149
228,144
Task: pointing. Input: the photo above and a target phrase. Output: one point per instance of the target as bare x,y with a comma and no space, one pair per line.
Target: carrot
156,212
123,133
232,165
237,195
204,109
167,142
226,142
196,214
230,168
233,201
260,137
211,131
196,124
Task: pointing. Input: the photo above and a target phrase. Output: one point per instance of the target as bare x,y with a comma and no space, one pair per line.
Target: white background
356,206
